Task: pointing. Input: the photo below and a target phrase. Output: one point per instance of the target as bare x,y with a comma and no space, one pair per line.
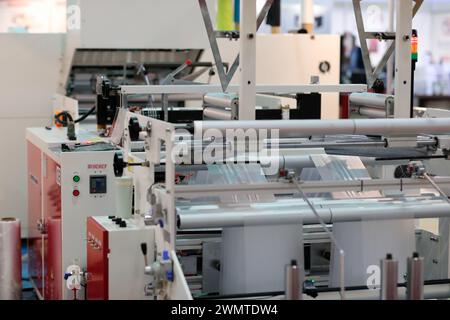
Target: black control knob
134,129
119,164
144,248
123,224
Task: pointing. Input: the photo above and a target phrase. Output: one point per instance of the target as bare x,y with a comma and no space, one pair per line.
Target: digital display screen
97,184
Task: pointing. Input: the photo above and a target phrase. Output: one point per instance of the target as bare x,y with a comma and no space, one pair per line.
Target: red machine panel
52,236
53,280
35,215
97,261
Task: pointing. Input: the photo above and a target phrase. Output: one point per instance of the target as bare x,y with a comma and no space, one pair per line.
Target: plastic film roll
124,197
10,260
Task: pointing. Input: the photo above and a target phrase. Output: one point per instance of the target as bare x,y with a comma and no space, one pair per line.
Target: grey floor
27,289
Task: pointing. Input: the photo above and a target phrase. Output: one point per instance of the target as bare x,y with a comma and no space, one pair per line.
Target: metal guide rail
262,88
193,191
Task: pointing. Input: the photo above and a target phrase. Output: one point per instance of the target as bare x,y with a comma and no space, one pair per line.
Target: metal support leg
390,63
404,15
415,278
389,278
247,89
372,74
124,101
165,106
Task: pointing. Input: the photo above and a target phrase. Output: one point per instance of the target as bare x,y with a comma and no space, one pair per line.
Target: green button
76,178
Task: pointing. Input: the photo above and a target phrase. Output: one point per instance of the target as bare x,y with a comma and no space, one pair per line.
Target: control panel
95,182
87,189
115,263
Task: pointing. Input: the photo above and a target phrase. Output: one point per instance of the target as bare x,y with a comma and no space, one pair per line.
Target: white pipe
235,218
308,15
306,128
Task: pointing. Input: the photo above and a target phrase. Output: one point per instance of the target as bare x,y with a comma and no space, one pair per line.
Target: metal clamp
162,272
42,226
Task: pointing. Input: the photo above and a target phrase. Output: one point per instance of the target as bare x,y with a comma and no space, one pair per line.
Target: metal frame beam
403,61
267,89
371,73
310,187
225,77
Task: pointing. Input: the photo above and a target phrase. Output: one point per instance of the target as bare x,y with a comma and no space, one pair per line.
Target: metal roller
216,113
432,291
221,100
300,162
373,113
307,128
415,277
389,278
249,217
294,281
372,100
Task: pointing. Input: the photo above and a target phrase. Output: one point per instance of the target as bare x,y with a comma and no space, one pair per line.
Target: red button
76,193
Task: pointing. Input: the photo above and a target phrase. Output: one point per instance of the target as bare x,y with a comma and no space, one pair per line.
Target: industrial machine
68,181
244,197
245,205
100,93
307,194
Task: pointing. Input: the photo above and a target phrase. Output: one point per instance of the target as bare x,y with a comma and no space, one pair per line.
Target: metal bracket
371,73
225,77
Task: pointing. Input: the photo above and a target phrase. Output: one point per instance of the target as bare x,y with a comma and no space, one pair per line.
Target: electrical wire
69,116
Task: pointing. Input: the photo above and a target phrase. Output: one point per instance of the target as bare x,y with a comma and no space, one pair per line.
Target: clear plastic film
341,168
373,232
432,237
261,235
231,173
255,253
10,260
